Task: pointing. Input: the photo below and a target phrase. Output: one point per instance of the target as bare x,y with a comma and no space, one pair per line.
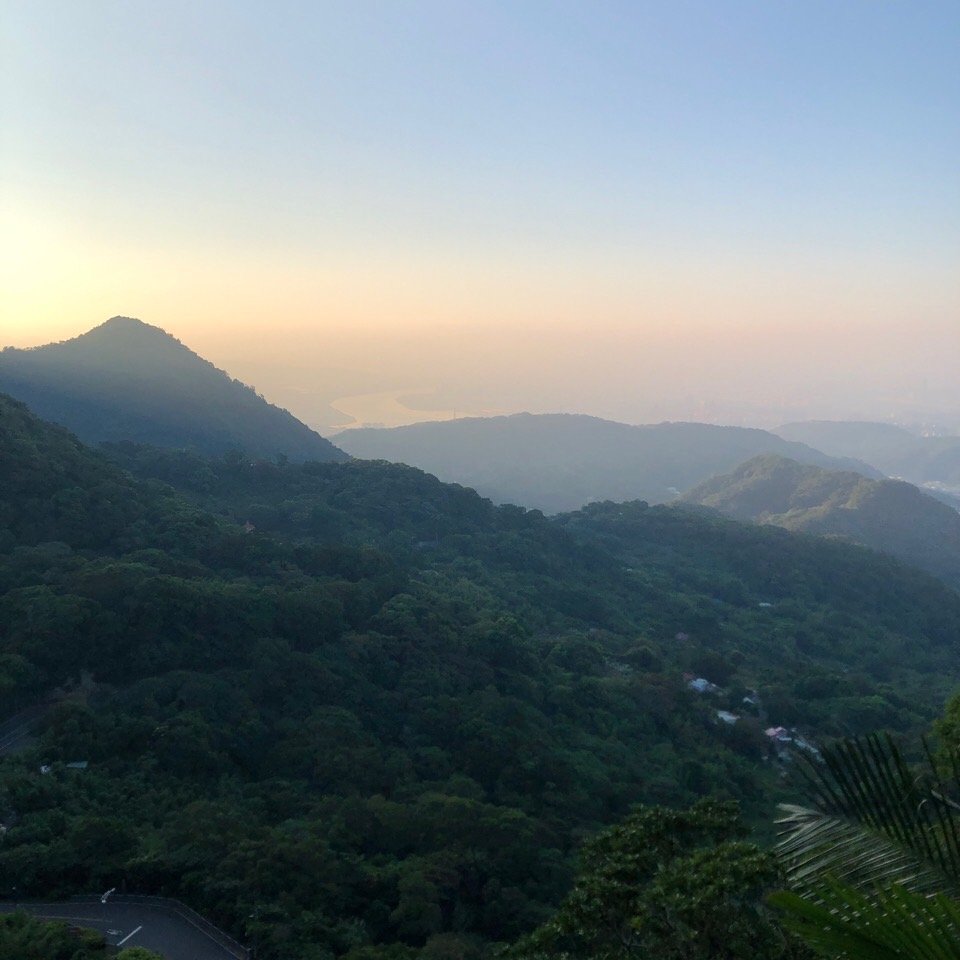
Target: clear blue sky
616,155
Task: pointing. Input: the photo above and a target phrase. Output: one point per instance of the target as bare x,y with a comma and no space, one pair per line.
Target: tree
23,937
671,884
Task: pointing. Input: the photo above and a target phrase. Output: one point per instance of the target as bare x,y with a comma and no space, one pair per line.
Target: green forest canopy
385,718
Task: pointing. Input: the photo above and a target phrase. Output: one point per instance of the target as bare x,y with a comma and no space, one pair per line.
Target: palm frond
894,924
876,822
815,845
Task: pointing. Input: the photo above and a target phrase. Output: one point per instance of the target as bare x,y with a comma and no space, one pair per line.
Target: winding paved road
157,928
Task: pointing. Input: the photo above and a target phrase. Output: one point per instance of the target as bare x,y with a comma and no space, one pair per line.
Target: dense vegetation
860,637
127,380
888,515
25,938
557,462
382,721
670,884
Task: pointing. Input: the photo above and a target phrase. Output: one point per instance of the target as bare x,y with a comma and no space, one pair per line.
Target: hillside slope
620,571
127,380
558,462
892,516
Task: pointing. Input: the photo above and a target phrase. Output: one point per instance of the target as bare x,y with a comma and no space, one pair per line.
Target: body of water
386,409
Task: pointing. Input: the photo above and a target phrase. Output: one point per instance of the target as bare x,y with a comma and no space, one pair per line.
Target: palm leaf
816,844
895,924
876,823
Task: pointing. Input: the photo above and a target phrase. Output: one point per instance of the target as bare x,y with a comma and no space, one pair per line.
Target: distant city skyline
644,211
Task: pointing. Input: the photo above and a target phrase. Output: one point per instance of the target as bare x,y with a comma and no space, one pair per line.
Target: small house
778,734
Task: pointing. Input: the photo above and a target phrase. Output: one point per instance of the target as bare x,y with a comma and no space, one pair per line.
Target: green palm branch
874,865
893,924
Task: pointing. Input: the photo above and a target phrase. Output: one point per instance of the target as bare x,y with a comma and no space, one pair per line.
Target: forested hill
625,570
349,710
888,515
127,380
557,462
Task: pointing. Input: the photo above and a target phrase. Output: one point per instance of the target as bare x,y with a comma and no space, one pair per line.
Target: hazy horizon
392,383
743,214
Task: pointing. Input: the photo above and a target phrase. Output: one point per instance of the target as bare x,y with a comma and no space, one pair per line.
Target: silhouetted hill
557,462
888,515
127,380
895,451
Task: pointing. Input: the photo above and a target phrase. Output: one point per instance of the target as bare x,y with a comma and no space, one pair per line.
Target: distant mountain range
888,515
127,380
558,462
895,451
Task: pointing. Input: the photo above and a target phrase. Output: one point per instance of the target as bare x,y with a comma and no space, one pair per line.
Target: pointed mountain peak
119,321
130,329
122,343
129,380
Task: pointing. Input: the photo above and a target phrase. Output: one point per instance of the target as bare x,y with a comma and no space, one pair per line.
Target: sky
741,212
